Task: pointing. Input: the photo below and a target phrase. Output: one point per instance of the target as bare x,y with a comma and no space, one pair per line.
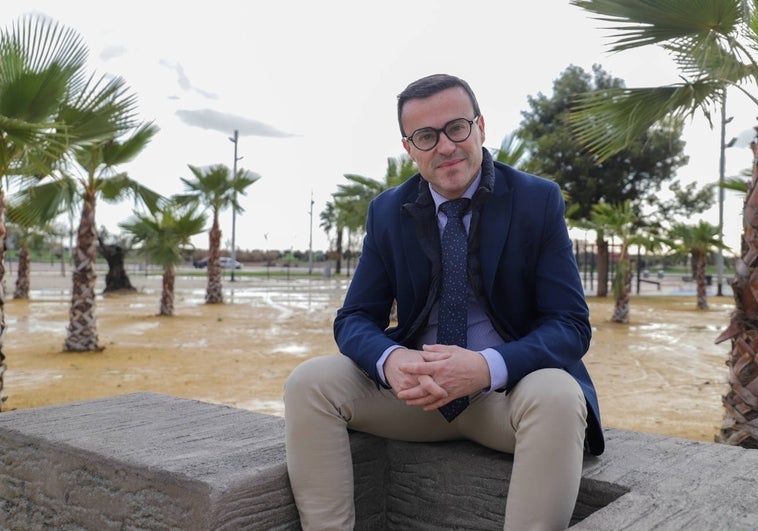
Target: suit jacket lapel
494,223
422,233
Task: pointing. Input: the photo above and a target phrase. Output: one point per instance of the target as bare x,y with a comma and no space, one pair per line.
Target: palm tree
23,234
47,105
215,188
330,222
619,221
163,238
96,177
512,151
352,199
697,240
714,44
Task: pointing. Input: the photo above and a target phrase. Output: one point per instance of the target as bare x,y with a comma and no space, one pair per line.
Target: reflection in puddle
298,350
33,378
271,407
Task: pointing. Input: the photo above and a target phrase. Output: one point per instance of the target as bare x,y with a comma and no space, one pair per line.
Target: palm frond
648,22
607,121
44,202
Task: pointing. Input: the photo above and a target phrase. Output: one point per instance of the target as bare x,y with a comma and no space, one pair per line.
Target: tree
96,177
114,250
698,241
512,151
214,188
163,239
23,236
619,221
351,200
47,105
636,174
713,44
330,222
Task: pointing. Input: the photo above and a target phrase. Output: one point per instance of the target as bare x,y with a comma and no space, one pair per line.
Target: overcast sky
311,87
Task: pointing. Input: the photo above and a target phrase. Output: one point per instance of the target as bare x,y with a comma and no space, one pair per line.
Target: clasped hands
435,375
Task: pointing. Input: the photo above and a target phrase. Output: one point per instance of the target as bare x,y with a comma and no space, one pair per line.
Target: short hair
429,86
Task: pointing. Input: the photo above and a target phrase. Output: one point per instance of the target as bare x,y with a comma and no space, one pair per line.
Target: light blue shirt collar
439,198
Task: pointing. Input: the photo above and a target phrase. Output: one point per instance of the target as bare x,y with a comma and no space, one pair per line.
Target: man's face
449,167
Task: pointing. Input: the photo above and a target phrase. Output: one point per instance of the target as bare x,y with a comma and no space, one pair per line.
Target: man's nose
444,144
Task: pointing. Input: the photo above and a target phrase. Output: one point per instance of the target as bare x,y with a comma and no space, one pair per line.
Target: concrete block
149,461
143,461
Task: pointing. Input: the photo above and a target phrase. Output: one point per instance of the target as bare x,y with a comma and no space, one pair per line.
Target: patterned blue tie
452,322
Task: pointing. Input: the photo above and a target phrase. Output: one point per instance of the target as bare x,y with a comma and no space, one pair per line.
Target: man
515,377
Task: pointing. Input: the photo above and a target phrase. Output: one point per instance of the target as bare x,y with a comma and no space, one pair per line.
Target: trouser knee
314,378
552,392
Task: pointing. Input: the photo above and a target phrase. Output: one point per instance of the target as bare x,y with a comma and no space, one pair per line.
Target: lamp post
722,172
310,239
234,140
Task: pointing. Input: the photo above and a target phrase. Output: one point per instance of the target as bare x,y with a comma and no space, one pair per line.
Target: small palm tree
512,151
330,222
619,221
23,234
215,188
97,178
163,238
699,241
351,200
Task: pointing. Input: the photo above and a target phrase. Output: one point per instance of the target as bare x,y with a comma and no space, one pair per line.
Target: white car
226,263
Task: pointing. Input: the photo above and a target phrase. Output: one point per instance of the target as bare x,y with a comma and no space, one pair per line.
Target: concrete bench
150,461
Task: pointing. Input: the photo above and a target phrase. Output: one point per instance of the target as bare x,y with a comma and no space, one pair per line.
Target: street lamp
310,239
234,140
722,169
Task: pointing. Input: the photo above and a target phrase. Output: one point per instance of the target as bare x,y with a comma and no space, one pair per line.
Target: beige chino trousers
541,422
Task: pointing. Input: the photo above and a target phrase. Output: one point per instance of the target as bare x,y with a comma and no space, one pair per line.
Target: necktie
452,321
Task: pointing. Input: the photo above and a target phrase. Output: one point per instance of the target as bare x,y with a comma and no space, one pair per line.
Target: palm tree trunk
702,295
82,327
740,424
624,288
602,267
214,293
338,245
167,294
3,237
116,278
22,280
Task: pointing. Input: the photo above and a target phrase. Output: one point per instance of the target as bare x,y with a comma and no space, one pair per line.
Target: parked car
225,262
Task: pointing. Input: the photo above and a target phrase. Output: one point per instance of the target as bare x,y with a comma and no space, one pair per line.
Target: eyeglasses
456,130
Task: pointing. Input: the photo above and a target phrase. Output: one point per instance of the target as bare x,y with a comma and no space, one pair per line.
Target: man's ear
407,147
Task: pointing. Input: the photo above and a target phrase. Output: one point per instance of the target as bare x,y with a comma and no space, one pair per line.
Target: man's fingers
436,352
427,391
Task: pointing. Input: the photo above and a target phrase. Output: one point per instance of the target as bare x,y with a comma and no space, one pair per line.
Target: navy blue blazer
521,265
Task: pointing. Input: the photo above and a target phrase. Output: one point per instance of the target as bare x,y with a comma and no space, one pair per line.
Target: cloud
111,52
226,123
184,81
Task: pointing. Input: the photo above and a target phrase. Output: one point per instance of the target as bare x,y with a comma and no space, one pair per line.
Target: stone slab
150,461
143,461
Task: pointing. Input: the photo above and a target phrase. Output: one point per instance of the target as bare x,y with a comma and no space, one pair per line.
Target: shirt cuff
498,370
382,359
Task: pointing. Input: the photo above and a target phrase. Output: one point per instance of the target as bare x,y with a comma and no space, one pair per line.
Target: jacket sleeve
359,327
553,328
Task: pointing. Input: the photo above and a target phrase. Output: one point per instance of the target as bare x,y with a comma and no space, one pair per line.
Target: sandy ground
661,374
